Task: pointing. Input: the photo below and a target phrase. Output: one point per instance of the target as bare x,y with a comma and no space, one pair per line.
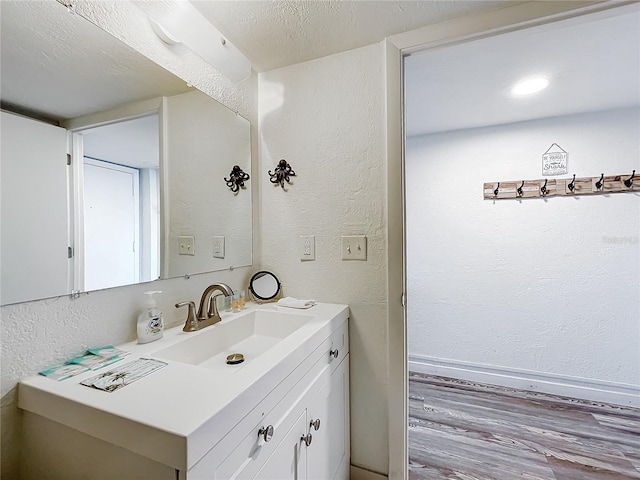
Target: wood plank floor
471,431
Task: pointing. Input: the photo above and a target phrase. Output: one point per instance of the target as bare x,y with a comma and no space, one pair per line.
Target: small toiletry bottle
150,322
235,302
220,301
227,304
242,300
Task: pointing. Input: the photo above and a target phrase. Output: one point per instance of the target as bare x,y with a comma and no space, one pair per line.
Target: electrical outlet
307,247
186,245
354,247
218,246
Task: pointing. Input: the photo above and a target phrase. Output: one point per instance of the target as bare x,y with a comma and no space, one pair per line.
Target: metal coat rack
544,188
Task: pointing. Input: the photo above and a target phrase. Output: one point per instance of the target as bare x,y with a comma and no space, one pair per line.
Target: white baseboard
358,473
563,385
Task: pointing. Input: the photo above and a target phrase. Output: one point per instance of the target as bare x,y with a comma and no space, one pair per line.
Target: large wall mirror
112,168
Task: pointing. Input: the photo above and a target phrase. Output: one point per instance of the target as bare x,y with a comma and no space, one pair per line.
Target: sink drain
235,359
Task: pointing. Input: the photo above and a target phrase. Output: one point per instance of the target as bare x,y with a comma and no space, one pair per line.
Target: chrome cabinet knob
266,433
307,439
315,424
334,353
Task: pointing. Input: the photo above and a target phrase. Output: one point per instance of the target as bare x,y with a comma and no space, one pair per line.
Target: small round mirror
264,286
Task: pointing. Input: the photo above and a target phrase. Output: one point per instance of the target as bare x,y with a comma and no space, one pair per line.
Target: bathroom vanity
282,413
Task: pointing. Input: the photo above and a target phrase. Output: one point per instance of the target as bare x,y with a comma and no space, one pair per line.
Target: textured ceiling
58,66
593,64
273,34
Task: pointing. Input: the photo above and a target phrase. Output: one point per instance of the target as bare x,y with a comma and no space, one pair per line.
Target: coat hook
572,185
281,173
497,190
520,189
600,183
236,179
543,189
629,181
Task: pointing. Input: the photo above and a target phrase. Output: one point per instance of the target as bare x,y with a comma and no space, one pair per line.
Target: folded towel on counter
295,303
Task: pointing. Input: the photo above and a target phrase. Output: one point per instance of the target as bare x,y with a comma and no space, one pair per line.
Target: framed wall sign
554,161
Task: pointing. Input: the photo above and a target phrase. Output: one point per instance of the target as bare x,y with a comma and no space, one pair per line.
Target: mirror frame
262,297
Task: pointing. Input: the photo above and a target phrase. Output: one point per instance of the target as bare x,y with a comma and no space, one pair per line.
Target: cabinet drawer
338,346
252,453
240,449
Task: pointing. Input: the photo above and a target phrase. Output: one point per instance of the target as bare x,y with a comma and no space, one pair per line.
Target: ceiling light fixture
529,86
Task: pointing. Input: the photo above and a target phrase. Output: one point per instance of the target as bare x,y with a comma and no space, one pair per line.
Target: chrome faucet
208,310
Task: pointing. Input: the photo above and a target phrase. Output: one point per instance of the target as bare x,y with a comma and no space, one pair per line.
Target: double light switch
354,247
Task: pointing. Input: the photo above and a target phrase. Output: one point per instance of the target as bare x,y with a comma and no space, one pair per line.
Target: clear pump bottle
150,322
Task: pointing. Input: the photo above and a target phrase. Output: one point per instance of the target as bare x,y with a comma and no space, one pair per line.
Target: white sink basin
281,347
251,334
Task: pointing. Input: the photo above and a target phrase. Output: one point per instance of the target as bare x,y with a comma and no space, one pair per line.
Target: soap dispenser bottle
150,322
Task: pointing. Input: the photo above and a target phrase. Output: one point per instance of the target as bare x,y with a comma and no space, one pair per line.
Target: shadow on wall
271,98
11,432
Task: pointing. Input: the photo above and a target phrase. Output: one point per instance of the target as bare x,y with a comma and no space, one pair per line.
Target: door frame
512,17
75,127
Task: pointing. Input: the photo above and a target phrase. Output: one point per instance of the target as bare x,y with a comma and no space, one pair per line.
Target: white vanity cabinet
186,422
326,456
320,399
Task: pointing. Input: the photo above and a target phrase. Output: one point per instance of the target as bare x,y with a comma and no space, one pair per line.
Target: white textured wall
38,334
542,285
326,117
204,141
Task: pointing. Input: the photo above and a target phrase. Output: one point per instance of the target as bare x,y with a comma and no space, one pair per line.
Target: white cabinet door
33,193
111,225
289,460
328,453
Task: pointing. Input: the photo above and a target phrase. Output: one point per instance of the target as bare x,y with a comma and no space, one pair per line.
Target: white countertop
160,415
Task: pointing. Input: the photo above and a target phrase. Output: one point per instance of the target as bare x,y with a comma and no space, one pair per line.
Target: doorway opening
513,304
117,203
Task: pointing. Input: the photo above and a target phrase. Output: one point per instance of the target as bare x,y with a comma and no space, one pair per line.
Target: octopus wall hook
236,179
281,173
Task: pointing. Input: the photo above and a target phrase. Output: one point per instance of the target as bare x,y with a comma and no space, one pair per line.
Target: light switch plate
218,246
354,247
307,247
186,245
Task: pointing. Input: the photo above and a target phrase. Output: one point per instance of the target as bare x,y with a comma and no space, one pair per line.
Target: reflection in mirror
264,286
204,139
130,127
121,201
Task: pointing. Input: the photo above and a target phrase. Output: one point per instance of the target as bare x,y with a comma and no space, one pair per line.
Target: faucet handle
191,325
